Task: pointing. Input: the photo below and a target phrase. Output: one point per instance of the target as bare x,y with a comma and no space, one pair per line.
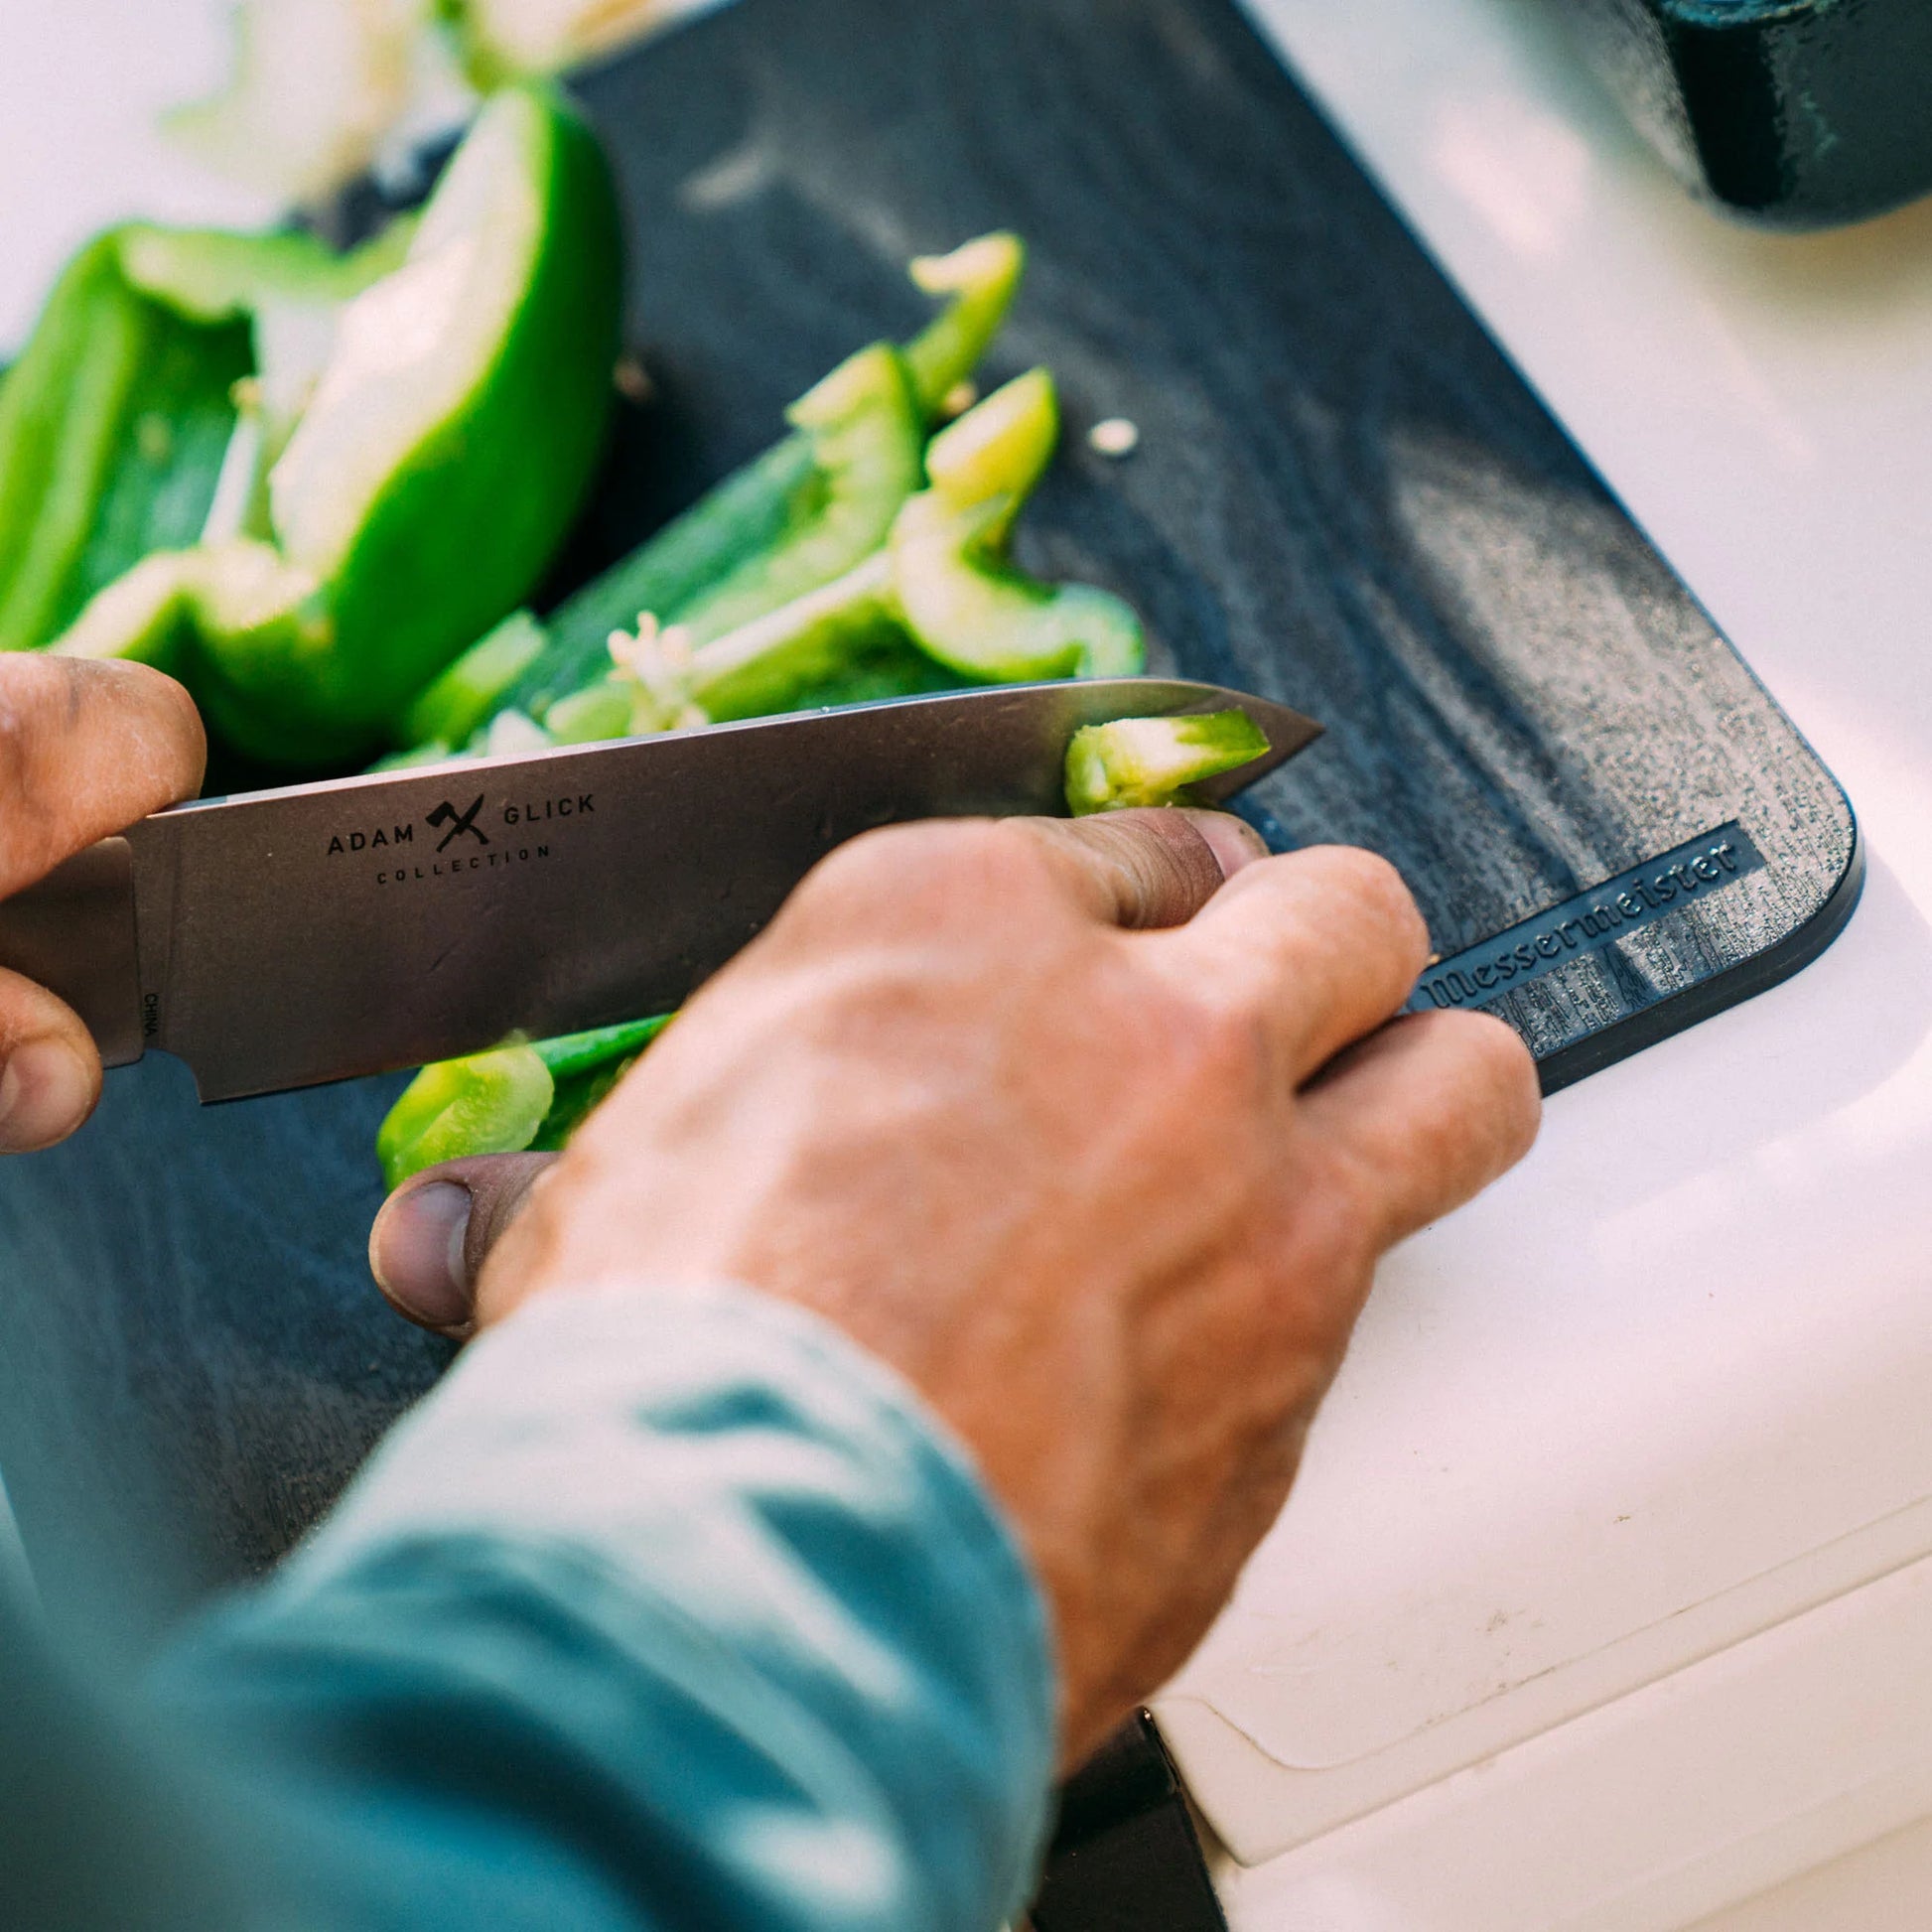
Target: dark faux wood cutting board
1343,498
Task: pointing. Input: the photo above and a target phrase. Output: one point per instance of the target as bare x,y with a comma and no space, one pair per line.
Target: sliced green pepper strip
506,1100
1154,761
981,278
961,600
761,507
942,586
867,440
571,1054
762,666
457,702
795,612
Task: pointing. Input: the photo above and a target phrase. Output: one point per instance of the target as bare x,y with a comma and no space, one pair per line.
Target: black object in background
1796,113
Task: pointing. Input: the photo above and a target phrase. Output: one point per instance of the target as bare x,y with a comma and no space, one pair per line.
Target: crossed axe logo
447,814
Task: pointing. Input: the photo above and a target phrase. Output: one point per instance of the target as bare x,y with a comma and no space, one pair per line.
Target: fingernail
1233,841
45,1089
416,1255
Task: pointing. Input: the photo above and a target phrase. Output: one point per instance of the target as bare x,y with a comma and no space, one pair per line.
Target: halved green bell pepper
399,474
113,422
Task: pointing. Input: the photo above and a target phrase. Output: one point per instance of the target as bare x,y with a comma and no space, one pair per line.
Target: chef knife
283,938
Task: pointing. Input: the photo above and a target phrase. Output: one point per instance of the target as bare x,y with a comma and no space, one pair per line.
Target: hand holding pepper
1098,1151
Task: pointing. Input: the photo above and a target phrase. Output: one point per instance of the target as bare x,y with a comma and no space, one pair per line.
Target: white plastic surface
1831,1713
1667,1386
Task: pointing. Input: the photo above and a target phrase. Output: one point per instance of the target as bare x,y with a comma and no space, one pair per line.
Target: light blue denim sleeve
667,1610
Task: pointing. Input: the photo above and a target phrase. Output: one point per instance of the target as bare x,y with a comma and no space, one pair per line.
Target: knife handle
73,932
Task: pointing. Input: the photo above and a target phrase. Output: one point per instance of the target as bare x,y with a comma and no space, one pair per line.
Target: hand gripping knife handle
74,933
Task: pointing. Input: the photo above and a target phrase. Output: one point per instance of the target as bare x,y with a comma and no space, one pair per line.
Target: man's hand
1098,1151
86,749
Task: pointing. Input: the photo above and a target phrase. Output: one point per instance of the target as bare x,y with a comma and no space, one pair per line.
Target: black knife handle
74,933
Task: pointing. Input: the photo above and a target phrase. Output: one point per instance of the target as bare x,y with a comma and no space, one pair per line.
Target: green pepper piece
861,428
486,1103
117,424
942,585
571,1054
959,597
767,502
113,424
454,703
505,1100
794,612
1154,761
982,277
762,666
866,439
451,431
585,1067
843,644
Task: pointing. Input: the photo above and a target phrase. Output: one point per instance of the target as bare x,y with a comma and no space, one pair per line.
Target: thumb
434,1233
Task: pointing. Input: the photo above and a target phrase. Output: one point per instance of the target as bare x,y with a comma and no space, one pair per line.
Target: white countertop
1666,1386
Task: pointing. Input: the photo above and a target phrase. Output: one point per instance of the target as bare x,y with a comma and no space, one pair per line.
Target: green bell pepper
406,460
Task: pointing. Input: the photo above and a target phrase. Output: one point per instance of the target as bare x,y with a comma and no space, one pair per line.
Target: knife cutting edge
284,938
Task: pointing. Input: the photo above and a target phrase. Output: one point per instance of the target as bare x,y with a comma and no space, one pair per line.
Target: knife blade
284,938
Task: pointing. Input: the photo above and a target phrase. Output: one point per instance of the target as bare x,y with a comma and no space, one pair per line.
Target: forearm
668,1610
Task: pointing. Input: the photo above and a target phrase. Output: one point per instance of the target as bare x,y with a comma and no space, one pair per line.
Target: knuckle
1221,1050
1379,890
1347,1201
1506,1080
